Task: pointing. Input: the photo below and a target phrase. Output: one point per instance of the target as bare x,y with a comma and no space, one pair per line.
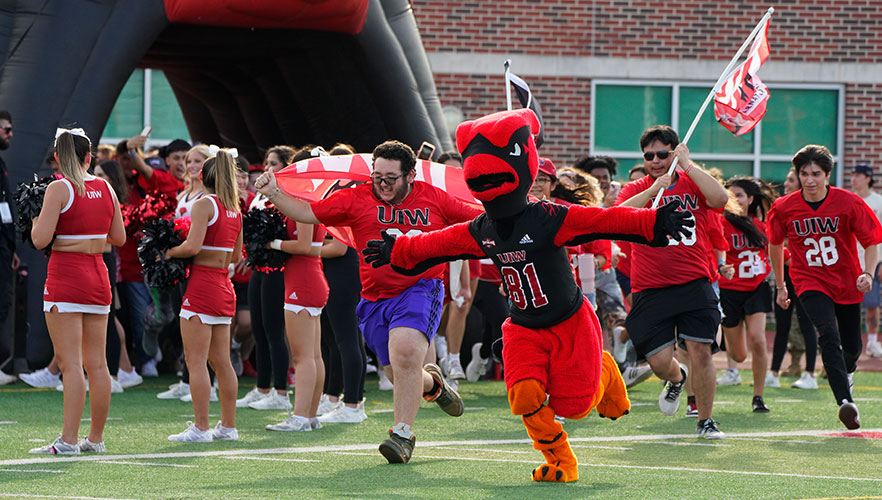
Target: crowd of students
662,308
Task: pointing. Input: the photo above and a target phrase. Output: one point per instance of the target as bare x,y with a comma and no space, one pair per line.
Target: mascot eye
517,150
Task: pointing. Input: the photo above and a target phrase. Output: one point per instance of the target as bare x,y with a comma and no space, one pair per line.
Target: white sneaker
772,380
730,377
252,396
115,386
175,391
385,383
370,368
806,381
127,379
212,396
314,423
327,406
6,379
478,366
87,446
453,383
453,367
619,348
440,346
58,447
292,423
41,378
874,349
635,374
273,401
669,399
192,435
149,369
342,415
361,410
221,433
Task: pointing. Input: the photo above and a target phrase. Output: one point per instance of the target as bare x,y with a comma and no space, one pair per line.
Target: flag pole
710,94
507,65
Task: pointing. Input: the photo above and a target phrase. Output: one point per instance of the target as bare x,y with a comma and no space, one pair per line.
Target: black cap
864,169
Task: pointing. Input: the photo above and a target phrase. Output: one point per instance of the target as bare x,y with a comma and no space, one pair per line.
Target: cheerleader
80,215
214,241
744,294
306,294
194,160
266,300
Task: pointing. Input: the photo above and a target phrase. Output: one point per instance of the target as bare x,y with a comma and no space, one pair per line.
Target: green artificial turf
791,453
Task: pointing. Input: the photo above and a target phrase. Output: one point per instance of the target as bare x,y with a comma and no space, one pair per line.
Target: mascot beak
489,177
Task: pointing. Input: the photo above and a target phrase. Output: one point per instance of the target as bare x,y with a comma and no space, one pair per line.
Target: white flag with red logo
317,178
740,103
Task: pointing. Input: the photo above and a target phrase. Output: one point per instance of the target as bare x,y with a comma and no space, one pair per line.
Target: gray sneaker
291,424
707,429
447,398
58,447
669,400
87,446
397,449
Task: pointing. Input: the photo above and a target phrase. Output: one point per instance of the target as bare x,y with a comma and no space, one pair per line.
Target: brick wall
801,30
847,31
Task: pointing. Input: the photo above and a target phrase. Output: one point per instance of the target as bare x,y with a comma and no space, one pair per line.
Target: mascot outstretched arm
552,347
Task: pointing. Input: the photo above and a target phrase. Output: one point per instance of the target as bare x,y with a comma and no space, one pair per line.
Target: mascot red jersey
552,347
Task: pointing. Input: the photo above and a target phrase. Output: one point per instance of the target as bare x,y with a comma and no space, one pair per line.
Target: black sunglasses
7,129
662,155
388,180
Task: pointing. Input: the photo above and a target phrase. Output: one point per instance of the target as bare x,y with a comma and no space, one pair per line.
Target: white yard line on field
373,446
145,464
29,495
40,471
270,459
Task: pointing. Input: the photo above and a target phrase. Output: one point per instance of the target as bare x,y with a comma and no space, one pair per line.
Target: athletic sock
872,337
402,430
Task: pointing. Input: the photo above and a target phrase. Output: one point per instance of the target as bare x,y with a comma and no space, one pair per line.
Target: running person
80,215
746,297
821,224
214,241
398,315
678,303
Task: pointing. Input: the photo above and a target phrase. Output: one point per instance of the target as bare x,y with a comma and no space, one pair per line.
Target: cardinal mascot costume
552,347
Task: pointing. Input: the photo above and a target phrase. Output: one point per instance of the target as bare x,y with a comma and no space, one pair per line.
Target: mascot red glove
552,348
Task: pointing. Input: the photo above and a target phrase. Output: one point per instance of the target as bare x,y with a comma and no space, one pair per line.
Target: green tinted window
623,112
796,117
709,136
127,117
625,165
775,171
165,114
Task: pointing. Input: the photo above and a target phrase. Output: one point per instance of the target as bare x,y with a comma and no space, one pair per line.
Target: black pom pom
158,236
29,202
259,227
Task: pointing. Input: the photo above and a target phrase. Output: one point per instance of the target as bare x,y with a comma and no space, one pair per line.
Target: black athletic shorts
241,290
659,316
737,303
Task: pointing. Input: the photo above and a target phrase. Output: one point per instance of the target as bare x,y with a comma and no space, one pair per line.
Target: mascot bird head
500,159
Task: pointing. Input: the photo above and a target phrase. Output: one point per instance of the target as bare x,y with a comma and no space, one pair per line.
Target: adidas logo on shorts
526,239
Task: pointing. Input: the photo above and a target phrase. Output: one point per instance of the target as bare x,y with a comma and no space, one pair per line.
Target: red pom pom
183,225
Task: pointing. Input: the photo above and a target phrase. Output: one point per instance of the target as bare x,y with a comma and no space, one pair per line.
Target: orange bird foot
553,474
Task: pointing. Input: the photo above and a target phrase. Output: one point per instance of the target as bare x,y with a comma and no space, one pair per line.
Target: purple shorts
418,307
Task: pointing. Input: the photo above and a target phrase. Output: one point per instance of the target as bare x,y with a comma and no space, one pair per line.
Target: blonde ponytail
219,175
72,151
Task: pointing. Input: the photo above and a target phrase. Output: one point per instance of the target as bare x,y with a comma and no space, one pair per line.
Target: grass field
799,451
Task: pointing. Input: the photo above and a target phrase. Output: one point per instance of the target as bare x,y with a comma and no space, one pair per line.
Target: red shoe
291,377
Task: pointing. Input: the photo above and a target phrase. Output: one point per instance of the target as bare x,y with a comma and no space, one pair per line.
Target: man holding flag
673,300
398,315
